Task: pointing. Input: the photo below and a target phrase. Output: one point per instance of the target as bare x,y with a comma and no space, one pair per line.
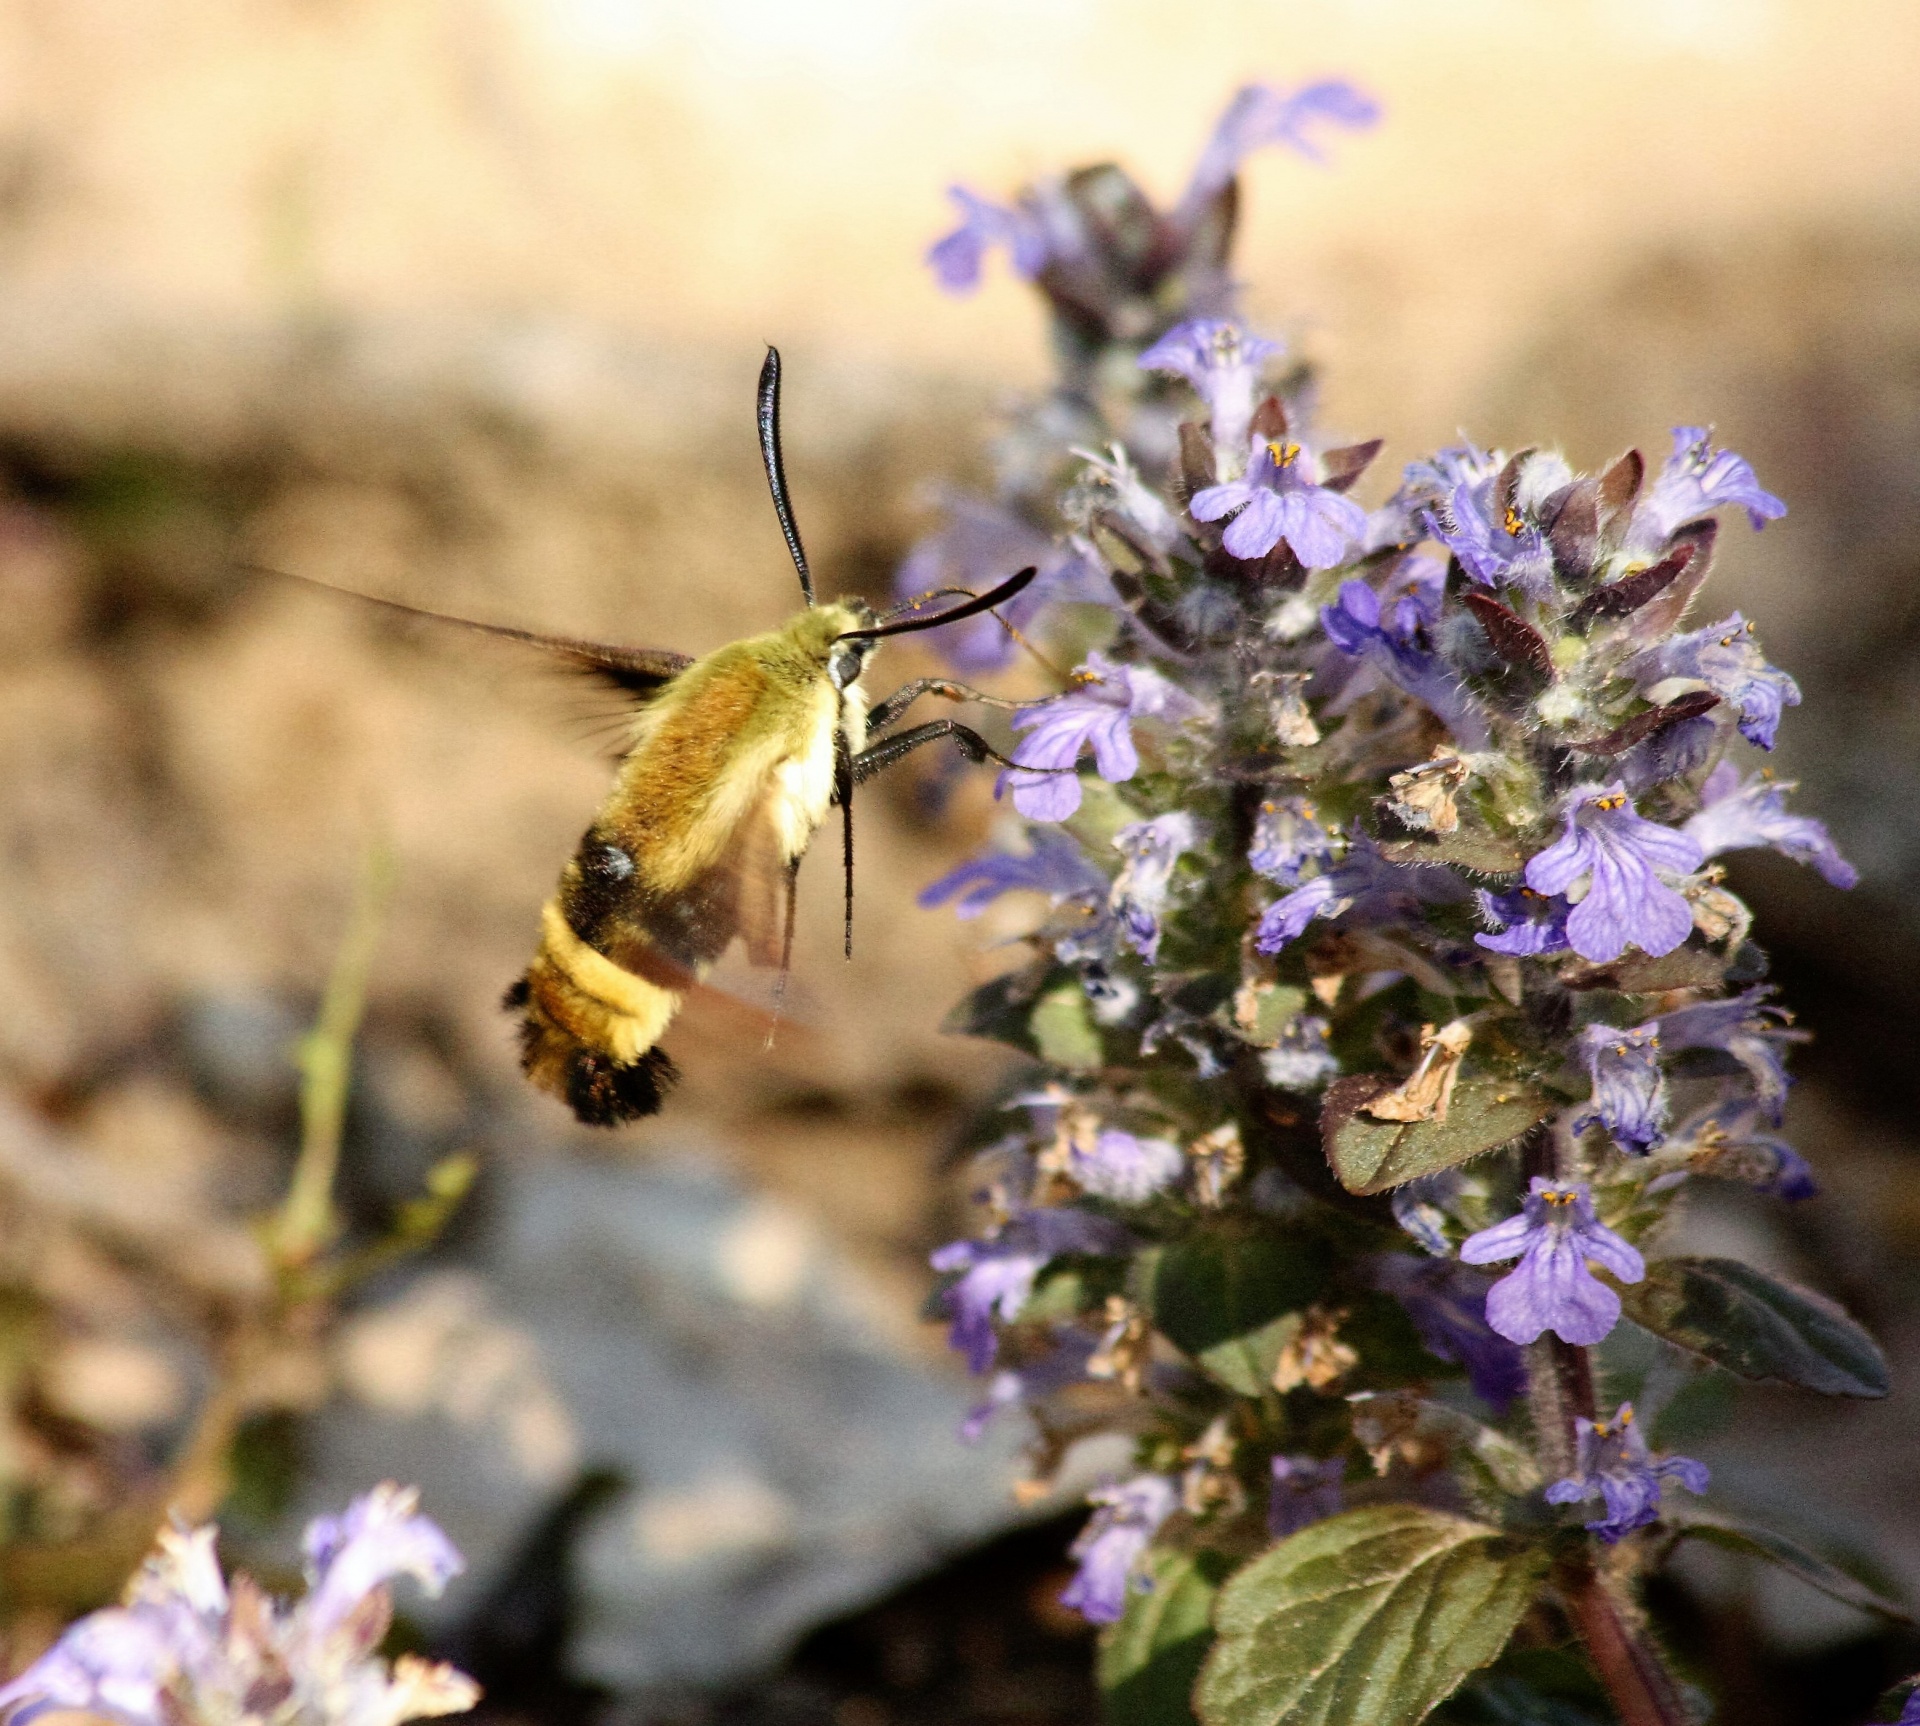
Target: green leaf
1245,1363
1365,1619
1738,1536
1149,1660
1469,848
1064,1031
1640,974
1371,1156
1757,1327
1210,1288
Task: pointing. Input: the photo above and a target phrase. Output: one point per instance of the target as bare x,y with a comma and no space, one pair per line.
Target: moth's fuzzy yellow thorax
814,631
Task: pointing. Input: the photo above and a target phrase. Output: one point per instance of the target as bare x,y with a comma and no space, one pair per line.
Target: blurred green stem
306,1225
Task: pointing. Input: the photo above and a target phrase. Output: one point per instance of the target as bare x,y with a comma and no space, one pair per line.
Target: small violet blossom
1222,363
1098,713
1552,1289
956,258
1525,923
1695,480
187,1648
1141,889
1448,1306
1125,1519
1260,116
1302,1059
1614,1464
1277,499
1629,1089
1305,1490
1736,817
1054,865
1725,657
1364,883
1618,854
1394,644
1497,545
1750,1029
996,1275
1730,1139
1128,1170
1063,1364
1286,838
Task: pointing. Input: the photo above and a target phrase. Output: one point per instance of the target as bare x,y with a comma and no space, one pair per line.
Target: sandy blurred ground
462,300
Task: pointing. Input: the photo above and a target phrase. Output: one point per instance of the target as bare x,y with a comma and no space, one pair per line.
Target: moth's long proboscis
1013,585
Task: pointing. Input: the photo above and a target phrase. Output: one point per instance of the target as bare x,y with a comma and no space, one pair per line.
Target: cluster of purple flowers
1385,821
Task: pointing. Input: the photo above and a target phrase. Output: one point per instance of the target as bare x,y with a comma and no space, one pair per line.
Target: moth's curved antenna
984,602
777,468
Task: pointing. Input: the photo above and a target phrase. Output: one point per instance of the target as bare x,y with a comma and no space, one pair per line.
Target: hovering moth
731,763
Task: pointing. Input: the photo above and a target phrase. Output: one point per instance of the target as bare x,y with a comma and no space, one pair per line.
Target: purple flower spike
1614,1464
1222,363
1126,1169
1629,1089
1750,1029
1395,644
1259,116
1140,890
1737,817
1697,479
1097,713
1525,923
1055,866
1286,838
1279,499
1110,1547
956,258
1305,1490
1617,853
997,1274
1728,661
1448,1306
1552,1289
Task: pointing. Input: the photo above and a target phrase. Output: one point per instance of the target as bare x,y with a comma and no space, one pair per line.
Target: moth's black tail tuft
601,1091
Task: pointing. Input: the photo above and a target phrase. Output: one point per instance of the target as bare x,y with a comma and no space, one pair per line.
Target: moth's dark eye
846,663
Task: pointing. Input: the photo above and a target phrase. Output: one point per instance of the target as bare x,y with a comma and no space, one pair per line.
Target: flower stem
1635,1677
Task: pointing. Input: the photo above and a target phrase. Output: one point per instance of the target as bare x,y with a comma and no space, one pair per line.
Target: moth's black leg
887,711
890,749
846,775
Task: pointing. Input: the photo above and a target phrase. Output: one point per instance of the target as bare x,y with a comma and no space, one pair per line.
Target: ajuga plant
1386,998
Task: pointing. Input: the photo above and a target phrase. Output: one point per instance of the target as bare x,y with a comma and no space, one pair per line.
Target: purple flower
1305,1490
1301,1060
1063,1364
1259,116
1055,865
1111,1546
1279,499
1696,480
1397,648
1098,713
980,544
1497,546
956,257
1124,1168
1617,853
1750,1029
1737,817
1448,1306
1364,883
1525,923
1614,1464
180,1650
1728,1139
1629,1090
997,1274
1222,363
1553,1237
1286,838
1140,890
1727,660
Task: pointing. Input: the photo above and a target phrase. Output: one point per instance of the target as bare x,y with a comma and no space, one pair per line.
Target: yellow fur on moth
731,764
730,772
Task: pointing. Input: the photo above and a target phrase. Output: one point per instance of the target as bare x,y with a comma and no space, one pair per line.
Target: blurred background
461,302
